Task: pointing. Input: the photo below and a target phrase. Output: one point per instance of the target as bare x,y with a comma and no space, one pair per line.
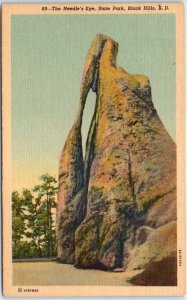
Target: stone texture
159,243
122,196
159,273
73,171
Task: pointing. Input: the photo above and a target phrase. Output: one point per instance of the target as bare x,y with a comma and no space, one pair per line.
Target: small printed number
180,257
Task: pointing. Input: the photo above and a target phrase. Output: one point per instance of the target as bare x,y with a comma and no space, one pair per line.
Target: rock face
117,206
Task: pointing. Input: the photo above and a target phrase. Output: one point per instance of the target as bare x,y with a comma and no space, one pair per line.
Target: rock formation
117,206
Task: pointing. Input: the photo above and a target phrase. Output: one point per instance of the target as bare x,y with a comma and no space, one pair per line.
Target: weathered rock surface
118,202
73,171
158,273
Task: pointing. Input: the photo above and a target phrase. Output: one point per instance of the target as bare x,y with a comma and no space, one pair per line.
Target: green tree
33,220
33,231
18,221
24,249
46,193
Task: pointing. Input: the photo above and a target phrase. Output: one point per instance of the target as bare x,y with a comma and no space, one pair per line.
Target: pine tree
18,221
33,220
34,231
46,192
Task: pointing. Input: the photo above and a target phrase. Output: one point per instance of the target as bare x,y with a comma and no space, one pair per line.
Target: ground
53,273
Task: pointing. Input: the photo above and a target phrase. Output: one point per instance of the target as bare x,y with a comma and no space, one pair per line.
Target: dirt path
53,273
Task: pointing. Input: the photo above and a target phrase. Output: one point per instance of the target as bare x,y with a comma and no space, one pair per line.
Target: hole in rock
87,117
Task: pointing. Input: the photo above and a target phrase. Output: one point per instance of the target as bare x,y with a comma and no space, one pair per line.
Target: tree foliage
18,224
34,220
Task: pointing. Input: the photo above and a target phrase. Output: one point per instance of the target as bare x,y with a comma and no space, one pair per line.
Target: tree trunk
48,225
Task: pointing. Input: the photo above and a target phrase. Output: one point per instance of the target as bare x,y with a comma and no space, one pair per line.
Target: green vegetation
33,223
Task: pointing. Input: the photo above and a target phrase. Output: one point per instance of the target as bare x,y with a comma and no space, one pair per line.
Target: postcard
93,149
